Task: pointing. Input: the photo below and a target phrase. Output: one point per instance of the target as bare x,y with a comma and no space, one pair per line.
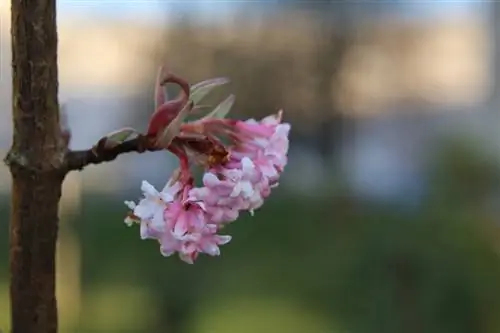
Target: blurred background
387,217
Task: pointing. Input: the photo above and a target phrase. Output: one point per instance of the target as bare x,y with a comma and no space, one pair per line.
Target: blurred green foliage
331,264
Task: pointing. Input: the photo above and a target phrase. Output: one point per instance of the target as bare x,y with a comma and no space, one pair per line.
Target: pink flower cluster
186,219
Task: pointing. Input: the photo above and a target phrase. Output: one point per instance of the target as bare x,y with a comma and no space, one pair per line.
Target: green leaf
122,135
221,111
203,88
117,137
174,128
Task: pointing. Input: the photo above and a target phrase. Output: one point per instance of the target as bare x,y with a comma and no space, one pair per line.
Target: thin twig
79,159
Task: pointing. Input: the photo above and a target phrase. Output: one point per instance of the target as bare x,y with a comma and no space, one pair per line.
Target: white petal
170,191
166,252
130,204
247,165
261,142
145,210
211,249
236,190
251,121
186,258
197,194
223,239
166,197
148,189
210,179
233,174
158,222
270,120
247,189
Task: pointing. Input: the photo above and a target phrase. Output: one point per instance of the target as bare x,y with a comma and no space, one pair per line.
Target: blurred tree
425,275
335,23
463,175
495,33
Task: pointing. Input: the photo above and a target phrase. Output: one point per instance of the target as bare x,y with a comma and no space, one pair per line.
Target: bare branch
100,153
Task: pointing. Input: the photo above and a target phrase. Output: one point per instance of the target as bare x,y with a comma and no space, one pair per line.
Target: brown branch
36,159
79,159
100,153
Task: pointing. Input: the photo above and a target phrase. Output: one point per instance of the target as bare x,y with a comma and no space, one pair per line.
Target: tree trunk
36,161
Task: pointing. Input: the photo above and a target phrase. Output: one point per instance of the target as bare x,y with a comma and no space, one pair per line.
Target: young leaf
203,88
174,128
201,107
221,111
117,137
200,110
160,95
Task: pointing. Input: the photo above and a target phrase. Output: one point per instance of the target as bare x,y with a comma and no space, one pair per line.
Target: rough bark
36,161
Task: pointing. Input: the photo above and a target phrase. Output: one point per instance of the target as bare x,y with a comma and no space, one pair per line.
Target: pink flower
191,235
185,219
182,217
277,148
149,210
203,241
239,186
265,142
215,201
180,225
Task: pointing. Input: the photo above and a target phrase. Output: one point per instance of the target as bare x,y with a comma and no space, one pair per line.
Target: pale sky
213,10
148,10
